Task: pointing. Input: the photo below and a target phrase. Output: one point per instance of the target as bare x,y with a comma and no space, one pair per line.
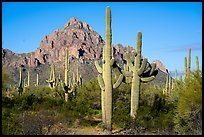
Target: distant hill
84,46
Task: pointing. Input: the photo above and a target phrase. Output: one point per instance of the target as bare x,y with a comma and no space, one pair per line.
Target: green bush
88,98
188,118
121,106
155,112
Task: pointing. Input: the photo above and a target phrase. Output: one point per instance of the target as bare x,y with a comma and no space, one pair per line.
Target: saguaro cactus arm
147,79
118,82
99,69
112,61
101,82
129,62
143,66
153,68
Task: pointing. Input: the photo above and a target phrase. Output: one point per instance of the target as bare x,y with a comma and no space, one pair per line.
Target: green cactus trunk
170,84
66,67
103,92
52,81
135,89
176,74
167,83
37,80
185,68
197,64
20,86
189,63
28,84
108,73
66,71
136,72
66,97
20,81
105,76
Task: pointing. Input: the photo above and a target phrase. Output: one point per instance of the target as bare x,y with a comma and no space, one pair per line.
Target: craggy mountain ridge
84,47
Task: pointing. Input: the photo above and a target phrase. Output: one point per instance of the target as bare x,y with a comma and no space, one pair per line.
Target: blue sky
169,28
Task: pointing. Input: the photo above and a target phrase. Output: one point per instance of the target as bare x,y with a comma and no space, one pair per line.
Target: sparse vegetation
44,109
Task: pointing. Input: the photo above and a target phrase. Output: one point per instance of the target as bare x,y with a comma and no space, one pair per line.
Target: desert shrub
39,91
87,98
10,123
121,106
154,111
5,79
188,118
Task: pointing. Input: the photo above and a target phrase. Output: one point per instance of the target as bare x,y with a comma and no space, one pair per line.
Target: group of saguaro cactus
105,75
187,65
139,71
22,83
169,84
187,70
70,86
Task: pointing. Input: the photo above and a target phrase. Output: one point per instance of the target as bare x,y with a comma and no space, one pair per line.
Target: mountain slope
84,46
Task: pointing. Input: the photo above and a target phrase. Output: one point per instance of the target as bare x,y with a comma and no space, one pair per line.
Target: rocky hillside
84,46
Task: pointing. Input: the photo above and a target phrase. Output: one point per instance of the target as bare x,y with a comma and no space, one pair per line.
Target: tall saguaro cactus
28,84
67,85
139,74
167,83
52,80
79,77
20,86
185,68
108,73
197,64
176,74
105,81
28,80
37,81
66,71
189,62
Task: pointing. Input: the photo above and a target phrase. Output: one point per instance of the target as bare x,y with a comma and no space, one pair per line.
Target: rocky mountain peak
160,66
76,23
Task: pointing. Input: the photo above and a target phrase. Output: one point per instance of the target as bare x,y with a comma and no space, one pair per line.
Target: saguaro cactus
37,81
105,81
189,62
52,80
176,74
167,83
20,86
185,68
79,77
28,80
197,64
138,74
28,84
66,71
67,85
